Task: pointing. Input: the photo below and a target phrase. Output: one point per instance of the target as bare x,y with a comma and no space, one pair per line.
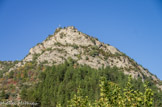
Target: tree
111,96
11,74
23,93
4,95
148,96
79,101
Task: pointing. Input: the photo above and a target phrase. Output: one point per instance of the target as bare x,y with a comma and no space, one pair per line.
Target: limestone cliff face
69,42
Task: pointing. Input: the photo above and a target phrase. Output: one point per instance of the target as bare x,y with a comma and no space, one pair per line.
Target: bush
35,56
87,58
62,35
75,46
94,53
94,42
11,74
49,49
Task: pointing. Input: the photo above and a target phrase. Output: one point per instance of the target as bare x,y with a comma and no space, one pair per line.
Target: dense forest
74,85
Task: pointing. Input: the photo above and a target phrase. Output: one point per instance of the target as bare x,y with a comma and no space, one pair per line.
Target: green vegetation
61,50
73,85
94,42
49,49
79,56
87,58
11,74
59,86
113,96
49,36
94,53
58,44
57,30
62,35
6,65
93,39
3,95
75,46
35,56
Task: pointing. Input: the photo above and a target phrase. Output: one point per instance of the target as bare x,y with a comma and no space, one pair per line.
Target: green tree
79,101
148,96
23,93
3,94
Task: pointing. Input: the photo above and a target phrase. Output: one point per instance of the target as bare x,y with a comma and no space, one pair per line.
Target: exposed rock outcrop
69,42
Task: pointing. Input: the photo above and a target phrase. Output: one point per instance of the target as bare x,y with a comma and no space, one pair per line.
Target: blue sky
132,26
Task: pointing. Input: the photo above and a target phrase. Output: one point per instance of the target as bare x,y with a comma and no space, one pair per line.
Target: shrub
58,44
35,56
94,41
49,49
57,30
79,56
75,46
48,38
11,74
87,58
94,53
62,35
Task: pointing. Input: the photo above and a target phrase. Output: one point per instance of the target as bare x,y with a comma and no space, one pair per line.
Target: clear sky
132,26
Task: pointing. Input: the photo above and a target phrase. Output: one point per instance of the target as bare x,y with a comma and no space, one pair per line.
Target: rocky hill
68,44
85,50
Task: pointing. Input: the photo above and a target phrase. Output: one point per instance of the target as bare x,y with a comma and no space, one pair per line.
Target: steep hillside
5,66
70,58
86,50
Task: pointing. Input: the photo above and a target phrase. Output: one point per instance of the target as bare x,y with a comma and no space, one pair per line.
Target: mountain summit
68,42
86,50
66,59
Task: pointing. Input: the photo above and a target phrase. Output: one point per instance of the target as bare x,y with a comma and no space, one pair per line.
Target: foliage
49,36
62,35
5,66
35,56
58,87
58,44
111,96
3,95
79,101
93,40
75,46
49,49
87,58
94,53
11,74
